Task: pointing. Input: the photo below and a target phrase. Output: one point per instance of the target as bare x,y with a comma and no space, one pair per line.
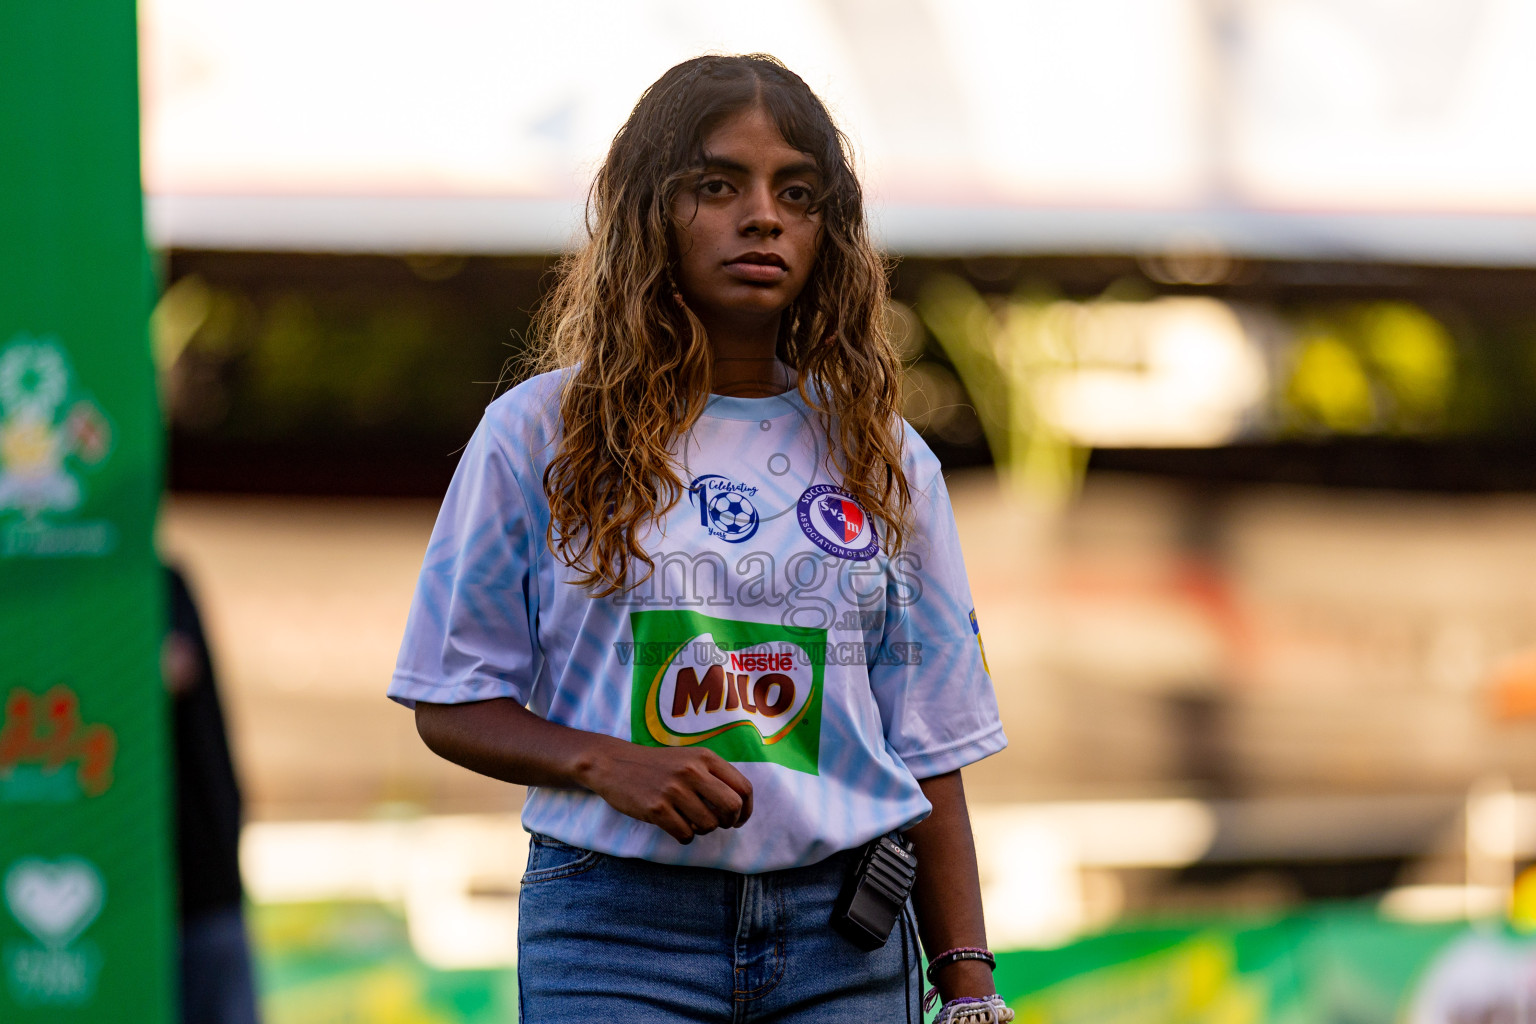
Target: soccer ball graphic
731,516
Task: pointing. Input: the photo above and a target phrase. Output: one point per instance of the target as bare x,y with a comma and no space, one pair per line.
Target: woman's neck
756,377
746,364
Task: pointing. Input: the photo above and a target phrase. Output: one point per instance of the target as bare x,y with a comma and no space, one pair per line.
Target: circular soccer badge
725,507
837,524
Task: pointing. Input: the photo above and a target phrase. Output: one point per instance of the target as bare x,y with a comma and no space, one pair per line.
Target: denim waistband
840,858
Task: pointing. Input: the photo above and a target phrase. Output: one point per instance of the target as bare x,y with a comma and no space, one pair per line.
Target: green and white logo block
55,901
749,691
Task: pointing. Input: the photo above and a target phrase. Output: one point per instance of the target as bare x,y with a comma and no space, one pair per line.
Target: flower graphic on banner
49,432
41,428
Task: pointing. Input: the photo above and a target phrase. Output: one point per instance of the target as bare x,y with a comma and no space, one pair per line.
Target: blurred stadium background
1221,314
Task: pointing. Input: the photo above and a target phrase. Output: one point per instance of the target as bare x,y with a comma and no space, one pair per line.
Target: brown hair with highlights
640,361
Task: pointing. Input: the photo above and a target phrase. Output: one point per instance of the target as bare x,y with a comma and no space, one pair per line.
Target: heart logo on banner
54,900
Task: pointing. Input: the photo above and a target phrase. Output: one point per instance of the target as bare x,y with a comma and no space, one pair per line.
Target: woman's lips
756,273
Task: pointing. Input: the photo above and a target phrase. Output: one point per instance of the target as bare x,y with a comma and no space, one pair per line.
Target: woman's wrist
964,978
591,760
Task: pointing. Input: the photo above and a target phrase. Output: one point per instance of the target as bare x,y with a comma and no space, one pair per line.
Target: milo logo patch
749,691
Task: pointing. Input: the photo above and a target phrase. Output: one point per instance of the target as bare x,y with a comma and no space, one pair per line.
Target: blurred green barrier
85,894
336,963
1326,964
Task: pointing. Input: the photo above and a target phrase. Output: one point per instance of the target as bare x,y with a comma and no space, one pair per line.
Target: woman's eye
797,194
716,187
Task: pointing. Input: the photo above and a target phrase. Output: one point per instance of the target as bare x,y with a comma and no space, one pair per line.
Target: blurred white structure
1303,128
1032,860
456,876
1174,371
1047,869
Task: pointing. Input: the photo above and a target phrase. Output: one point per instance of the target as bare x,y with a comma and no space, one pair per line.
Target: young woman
699,587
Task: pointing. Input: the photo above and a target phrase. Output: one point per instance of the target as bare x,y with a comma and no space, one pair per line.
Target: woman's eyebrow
720,163
805,168
713,162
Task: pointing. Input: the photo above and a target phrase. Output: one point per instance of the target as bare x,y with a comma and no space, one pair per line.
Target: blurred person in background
720,386
217,984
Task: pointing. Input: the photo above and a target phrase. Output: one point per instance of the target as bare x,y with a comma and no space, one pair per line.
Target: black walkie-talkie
875,892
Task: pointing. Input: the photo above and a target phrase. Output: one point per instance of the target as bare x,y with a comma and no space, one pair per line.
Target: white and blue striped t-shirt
776,630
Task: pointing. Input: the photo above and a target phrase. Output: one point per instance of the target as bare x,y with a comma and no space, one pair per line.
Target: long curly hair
640,360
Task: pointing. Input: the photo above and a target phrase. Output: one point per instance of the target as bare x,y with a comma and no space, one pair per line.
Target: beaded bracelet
950,956
971,1010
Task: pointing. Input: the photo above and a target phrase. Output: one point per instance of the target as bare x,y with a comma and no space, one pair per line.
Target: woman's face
746,237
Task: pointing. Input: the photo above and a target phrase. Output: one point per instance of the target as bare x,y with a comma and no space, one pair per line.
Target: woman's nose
761,216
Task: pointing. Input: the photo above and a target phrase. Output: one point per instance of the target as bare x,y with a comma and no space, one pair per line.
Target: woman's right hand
684,791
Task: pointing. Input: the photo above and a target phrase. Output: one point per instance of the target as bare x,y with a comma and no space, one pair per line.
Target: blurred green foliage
1380,367
1365,367
998,348
377,351
388,352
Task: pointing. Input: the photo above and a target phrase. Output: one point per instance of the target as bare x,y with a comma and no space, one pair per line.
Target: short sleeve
470,632
929,675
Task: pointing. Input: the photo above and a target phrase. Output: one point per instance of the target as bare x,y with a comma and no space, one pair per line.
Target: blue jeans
604,938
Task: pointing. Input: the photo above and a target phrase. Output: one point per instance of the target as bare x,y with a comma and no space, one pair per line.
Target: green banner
85,894
1324,964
